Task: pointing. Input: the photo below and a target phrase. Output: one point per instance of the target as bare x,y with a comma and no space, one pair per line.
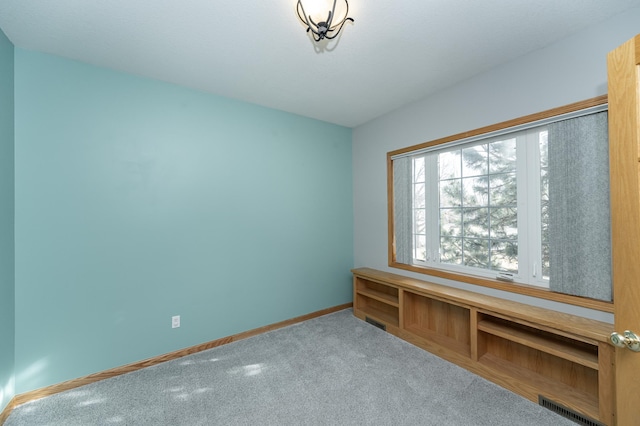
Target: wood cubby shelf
443,323
379,301
578,352
529,350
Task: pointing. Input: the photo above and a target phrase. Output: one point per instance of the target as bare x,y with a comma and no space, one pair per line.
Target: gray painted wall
568,71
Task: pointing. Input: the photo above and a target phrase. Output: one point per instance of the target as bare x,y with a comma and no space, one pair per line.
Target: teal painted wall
7,319
137,200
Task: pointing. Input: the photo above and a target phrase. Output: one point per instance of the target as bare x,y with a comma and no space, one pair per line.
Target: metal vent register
376,323
580,419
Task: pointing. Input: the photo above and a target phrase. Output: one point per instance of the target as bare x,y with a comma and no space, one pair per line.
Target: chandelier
324,28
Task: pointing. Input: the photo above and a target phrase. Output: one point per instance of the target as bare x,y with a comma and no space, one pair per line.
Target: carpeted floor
332,370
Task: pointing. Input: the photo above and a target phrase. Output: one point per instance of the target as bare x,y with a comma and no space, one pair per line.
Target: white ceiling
257,51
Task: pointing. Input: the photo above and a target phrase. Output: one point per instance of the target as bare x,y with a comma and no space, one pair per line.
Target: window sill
527,290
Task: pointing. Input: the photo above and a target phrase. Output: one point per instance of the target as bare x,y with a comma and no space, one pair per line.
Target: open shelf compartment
559,378
563,347
383,293
443,323
377,310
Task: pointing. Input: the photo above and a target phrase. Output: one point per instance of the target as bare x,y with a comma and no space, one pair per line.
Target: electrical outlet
175,321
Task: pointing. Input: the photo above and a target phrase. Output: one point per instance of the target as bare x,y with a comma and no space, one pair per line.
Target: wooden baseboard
92,378
7,410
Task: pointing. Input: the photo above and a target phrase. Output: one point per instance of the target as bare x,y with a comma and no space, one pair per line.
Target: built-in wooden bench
535,352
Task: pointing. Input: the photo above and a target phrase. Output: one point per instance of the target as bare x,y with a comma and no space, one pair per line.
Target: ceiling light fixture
323,28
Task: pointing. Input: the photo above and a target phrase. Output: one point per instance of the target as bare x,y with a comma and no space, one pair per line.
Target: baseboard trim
92,378
4,414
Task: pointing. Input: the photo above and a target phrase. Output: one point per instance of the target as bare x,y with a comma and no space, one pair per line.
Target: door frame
623,66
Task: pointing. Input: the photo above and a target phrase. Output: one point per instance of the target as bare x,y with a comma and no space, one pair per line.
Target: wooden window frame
528,290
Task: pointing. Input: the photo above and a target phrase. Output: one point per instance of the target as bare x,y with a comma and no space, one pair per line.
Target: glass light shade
323,18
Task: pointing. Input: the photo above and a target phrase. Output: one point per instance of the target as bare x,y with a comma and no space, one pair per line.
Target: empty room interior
178,177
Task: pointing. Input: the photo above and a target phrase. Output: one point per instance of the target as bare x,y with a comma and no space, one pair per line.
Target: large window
466,205
482,206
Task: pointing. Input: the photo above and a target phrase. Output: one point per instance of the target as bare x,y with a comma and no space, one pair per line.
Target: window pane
502,156
418,195
450,193
476,252
419,223
476,223
503,189
450,222
544,185
544,203
544,148
545,261
418,169
504,223
478,211
504,256
419,248
449,165
451,250
544,207
475,160
475,191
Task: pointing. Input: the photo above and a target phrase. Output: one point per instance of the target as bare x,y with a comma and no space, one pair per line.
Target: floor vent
567,412
376,323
